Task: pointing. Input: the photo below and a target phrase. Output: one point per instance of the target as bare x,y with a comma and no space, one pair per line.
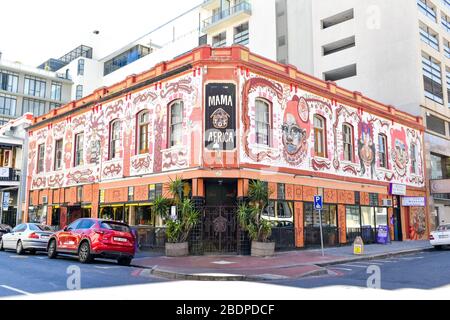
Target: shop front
330,225
366,222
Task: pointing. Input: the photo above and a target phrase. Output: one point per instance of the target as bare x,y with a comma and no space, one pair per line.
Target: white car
440,237
29,237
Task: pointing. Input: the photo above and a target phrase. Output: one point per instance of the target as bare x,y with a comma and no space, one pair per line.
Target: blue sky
35,30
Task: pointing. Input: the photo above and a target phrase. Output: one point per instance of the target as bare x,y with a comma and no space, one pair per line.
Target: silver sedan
29,237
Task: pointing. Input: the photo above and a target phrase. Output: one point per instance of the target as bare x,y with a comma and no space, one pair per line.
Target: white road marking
223,262
16,290
41,258
369,263
410,259
105,268
342,269
18,257
353,266
385,261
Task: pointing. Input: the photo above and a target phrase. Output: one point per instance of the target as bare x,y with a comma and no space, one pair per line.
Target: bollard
358,246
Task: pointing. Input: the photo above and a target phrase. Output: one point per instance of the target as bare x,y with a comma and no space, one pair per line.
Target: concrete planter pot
177,249
263,249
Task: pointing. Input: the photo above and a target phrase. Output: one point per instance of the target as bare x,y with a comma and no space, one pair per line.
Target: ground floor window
329,225
75,213
281,213
56,217
365,222
38,215
115,213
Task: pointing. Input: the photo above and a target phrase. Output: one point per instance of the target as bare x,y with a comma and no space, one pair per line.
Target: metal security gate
220,229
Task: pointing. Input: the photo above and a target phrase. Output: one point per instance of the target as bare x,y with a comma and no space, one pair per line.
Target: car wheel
124,261
84,253
19,248
1,245
51,250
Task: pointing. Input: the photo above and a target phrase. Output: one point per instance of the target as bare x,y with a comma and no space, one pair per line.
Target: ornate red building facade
219,118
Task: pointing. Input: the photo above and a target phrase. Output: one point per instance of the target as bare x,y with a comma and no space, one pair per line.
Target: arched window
382,150
319,136
263,122
143,120
347,138
176,123
114,139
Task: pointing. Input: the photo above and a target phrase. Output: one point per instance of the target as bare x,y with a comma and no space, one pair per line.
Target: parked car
29,237
4,228
92,238
440,237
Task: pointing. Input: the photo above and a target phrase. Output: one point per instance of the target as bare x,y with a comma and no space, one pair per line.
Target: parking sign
318,203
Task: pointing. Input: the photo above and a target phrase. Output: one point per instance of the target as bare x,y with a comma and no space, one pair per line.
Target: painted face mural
399,151
418,225
366,148
295,130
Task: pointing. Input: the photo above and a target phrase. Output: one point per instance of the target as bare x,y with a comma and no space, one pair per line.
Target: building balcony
440,189
226,17
9,175
210,4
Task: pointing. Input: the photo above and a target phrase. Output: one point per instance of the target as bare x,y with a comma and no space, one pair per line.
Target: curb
373,257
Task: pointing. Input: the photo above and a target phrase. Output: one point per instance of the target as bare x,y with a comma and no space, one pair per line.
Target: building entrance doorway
220,227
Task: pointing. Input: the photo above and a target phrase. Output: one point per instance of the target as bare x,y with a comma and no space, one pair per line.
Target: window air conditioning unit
387,203
44,199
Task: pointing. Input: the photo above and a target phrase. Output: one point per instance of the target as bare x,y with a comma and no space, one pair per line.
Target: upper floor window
80,69
79,92
114,140
382,150
319,136
79,149
427,9
9,81
429,36
8,105
262,122
219,40
36,107
347,138
40,158
58,154
56,91
143,132
176,123
445,21
241,34
413,159
35,86
432,79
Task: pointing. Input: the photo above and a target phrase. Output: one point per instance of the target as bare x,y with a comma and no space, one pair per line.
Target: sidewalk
284,265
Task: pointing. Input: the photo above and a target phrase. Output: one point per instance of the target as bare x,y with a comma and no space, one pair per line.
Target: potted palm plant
178,227
251,219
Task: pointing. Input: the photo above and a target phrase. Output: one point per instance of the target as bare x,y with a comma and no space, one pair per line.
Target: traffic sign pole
321,233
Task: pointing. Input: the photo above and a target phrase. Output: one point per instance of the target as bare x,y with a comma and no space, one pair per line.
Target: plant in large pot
251,219
179,226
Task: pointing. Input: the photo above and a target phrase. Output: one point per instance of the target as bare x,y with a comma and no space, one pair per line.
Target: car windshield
115,226
39,227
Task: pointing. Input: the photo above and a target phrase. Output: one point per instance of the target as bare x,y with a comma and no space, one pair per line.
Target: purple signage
383,235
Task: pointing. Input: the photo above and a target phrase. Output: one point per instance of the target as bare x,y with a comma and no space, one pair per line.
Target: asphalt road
426,270
32,274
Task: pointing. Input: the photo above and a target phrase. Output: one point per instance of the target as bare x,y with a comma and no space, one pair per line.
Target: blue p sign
318,203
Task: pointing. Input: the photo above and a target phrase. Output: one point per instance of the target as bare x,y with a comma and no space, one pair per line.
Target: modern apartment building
26,89
397,52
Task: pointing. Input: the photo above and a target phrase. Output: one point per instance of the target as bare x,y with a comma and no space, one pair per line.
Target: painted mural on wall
292,137
418,225
95,126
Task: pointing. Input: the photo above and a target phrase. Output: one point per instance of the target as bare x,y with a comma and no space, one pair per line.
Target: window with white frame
320,149
143,132
176,123
429,36
427,8
262,122
114,139
347,138
58,154
40,158
79,149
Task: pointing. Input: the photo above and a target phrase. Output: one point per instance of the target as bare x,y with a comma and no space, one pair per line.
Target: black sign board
220,116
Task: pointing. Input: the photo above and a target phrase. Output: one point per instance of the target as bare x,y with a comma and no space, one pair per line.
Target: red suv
91,238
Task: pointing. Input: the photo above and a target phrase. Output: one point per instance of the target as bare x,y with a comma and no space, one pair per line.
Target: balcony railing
9,174
239,8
